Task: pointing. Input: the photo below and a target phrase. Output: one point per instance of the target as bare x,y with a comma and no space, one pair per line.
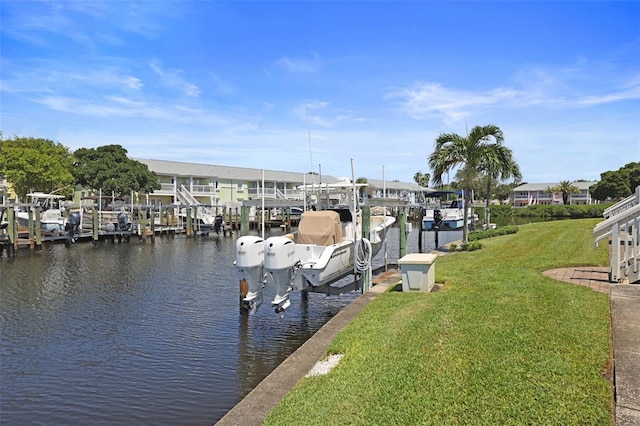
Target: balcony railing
276,194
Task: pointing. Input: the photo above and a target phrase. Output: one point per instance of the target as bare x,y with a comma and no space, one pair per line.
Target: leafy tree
422,179
612,185
566,188
365,190
473,154
503,191
617,184
108,168
634,175
36,164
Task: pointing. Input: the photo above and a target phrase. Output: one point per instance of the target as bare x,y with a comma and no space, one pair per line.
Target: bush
453,247
489,233
472,246
562,210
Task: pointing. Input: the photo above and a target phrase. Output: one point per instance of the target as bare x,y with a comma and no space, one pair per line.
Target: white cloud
172,78
298,65
435,101
432,100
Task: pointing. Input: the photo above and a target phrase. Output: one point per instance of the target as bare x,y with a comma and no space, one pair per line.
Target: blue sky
300,86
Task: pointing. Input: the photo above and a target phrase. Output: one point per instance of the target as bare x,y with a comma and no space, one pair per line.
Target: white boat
51,219
328,246
447,217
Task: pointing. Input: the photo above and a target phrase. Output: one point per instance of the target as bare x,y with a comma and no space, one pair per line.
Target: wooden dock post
32,228
189,224
38,230
152,224
96,225
244,220
12,232
403,235
244,289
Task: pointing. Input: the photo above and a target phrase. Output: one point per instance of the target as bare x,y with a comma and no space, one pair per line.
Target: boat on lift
51,218
446,216
329,245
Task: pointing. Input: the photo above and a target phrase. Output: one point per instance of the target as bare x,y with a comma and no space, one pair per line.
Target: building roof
582,185
179,168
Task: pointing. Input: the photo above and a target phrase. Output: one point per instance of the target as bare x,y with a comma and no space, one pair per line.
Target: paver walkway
624,300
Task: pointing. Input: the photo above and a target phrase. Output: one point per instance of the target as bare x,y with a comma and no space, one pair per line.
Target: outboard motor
250,267
279,265
123,222
73,226
437,218
217,224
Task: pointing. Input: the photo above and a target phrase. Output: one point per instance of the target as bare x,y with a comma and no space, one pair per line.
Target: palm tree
566,188
480,151
498,165
422,179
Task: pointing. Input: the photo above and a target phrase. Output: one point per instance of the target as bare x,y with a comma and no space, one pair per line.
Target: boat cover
322,228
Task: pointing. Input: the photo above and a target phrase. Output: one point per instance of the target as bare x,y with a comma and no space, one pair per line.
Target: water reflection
150,333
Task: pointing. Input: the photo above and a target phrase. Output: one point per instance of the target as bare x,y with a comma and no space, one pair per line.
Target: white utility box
418,271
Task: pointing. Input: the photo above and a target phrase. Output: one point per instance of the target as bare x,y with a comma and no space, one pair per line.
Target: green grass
499,344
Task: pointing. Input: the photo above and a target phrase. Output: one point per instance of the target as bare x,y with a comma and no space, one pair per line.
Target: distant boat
328,246
448,216
51,219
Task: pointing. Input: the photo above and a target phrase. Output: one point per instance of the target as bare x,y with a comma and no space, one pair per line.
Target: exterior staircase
621,226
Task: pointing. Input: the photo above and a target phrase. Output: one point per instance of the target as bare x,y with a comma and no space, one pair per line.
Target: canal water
146,333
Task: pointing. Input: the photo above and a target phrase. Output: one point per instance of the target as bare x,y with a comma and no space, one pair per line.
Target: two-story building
539,193
191,183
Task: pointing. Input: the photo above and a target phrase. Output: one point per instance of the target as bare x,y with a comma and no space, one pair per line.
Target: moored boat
329,245
446,216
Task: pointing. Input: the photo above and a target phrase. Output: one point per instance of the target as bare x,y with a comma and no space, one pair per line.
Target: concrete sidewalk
625,335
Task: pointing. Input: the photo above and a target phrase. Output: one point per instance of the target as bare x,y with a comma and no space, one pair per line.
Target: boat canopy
438,194
322,228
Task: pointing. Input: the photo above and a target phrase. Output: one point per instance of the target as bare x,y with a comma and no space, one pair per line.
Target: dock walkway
625,334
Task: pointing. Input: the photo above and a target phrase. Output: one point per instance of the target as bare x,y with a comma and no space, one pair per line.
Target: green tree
108,168
472,155
34,164
422,179
617,184
365,191
565,187
504,191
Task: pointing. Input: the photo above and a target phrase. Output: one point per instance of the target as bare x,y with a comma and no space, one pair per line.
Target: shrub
489,233
472,246
561,210
453,247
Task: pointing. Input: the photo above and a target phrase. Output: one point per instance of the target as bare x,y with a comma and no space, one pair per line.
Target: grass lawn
498,344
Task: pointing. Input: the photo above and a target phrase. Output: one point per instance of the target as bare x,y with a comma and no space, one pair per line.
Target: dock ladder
621,225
